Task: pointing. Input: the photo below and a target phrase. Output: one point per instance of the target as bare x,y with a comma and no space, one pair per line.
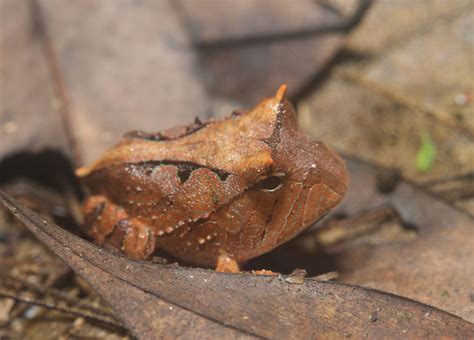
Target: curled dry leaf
173,301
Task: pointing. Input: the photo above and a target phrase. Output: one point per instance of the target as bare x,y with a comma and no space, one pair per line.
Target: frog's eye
272,183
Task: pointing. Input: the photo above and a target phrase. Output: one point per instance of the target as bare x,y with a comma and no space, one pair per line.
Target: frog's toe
264,272
100,218
226,264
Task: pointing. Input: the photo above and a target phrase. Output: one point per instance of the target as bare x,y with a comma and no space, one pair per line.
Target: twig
463,177
338,231
51,281
57,294
56,77
67,309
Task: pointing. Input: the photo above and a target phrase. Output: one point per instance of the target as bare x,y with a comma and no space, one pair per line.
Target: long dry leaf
153,299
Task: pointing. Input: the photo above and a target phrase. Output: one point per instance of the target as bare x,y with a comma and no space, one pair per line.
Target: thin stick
67,309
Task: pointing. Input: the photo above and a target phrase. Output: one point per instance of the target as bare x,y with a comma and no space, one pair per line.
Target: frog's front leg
109,225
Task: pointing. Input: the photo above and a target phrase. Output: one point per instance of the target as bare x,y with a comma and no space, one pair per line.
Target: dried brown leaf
154,299
29,118
248,48
422,269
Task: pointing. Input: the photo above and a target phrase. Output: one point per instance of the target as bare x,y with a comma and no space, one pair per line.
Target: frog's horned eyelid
83,171
281,93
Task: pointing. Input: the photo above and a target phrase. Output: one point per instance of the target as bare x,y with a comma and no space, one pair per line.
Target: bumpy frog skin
214,193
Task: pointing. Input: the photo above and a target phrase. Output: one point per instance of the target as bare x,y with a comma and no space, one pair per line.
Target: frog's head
307,177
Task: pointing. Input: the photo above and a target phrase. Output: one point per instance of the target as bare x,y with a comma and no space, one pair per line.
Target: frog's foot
139,240
110,226
101,217
226,264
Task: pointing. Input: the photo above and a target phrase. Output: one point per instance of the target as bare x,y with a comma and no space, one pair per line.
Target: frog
214,193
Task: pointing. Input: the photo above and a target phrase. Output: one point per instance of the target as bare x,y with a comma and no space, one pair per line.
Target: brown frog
216,193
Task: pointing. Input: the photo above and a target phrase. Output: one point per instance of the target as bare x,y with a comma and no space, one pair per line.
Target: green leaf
426,153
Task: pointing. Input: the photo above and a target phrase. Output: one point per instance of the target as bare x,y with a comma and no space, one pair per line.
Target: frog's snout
336,166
